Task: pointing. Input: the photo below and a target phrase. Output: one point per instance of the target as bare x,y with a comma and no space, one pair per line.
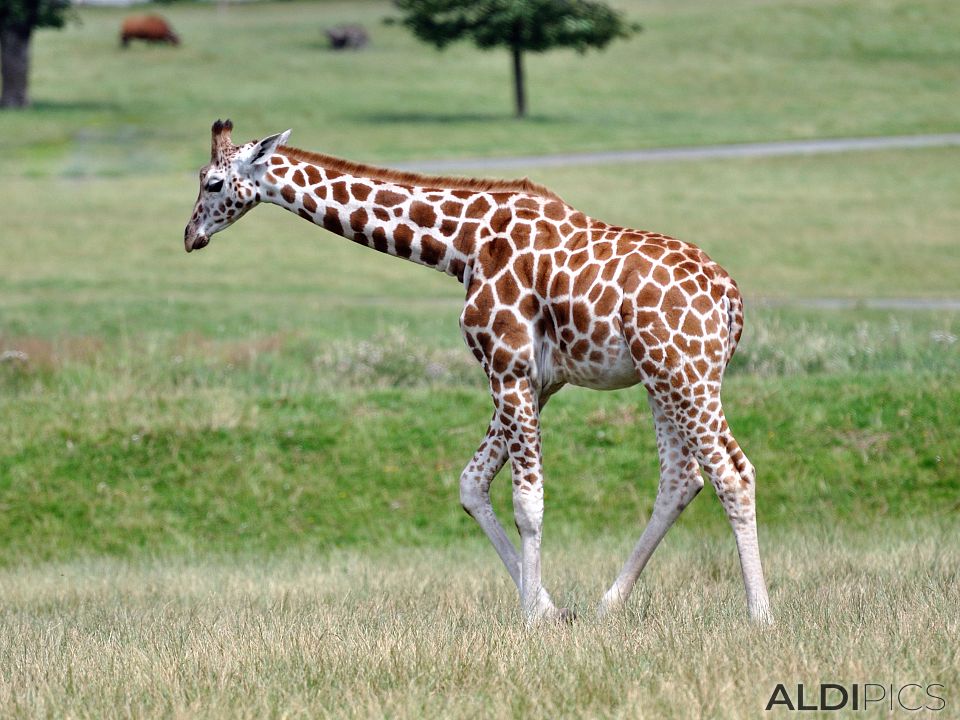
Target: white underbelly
615,370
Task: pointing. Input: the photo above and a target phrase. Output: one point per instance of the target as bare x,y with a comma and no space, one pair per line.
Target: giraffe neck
424,225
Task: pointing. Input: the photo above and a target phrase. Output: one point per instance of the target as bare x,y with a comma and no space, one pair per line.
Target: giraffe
552,297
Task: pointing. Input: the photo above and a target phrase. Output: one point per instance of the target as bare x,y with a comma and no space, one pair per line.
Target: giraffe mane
401,177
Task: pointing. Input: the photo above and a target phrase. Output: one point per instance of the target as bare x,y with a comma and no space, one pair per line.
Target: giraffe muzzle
194,242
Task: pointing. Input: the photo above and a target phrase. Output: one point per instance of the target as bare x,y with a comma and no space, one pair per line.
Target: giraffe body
553,297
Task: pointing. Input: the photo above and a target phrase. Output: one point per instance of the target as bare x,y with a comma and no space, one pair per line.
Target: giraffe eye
215,185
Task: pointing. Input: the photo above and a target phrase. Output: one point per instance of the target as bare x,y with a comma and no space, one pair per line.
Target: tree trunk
14,68
519,90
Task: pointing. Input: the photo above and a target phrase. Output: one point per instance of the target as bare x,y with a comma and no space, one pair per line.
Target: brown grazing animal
151,28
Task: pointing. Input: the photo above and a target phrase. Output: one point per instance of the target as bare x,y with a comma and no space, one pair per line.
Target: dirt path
702,152
947,304
761,301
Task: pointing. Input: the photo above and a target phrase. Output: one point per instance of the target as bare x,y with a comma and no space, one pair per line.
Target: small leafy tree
520,25
18,20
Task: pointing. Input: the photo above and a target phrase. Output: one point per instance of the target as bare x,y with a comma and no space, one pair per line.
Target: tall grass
436,633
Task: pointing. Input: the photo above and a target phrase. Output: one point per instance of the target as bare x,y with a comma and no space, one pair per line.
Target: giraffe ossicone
553,297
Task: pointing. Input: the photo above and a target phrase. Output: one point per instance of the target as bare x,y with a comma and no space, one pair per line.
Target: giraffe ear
258,153
222,145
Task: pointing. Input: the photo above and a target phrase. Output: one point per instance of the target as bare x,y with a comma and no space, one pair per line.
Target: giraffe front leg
517,409
475,496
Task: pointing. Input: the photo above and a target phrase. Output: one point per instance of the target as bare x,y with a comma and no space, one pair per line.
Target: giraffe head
228,183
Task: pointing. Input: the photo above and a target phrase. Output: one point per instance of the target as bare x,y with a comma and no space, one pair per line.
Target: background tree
521,25
18,20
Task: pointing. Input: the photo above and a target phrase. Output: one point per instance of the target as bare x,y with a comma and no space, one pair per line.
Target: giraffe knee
692,490
695,483
473,495
528,509
737,493
687,492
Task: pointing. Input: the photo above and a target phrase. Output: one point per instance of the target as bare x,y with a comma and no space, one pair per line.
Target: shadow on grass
64,106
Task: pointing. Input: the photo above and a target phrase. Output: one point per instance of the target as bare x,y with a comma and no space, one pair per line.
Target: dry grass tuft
42,354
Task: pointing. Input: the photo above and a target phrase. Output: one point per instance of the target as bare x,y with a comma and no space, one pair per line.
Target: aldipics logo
911,697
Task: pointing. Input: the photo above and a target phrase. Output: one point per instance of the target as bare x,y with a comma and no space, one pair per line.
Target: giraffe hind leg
734,479
680,481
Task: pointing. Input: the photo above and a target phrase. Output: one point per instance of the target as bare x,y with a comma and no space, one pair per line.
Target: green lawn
257,395
701,72
187,464
865,225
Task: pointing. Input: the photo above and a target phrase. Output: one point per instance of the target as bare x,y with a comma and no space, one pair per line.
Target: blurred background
287,389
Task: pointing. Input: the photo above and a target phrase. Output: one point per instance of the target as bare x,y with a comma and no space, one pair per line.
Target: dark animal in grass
347,37
151,28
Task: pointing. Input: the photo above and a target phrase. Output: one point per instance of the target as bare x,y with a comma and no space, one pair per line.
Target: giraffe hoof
566,616
613,602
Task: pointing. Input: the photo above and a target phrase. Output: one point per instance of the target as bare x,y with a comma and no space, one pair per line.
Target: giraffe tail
734,315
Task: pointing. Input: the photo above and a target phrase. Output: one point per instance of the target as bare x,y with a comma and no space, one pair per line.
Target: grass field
700,72
413,633
173,401
232,469
228,481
